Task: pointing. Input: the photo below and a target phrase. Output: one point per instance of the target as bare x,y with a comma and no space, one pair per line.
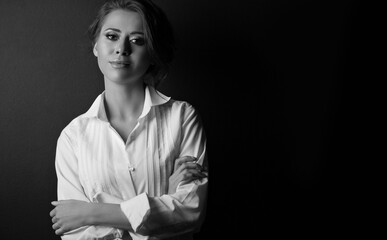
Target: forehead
123,20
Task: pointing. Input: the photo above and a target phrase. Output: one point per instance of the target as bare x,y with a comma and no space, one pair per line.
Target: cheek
103,52
104,49
101,64
144,57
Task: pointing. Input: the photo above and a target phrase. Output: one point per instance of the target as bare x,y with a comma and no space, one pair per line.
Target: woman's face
121,48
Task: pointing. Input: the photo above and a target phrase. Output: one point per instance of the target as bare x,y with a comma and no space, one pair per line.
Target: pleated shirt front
95,164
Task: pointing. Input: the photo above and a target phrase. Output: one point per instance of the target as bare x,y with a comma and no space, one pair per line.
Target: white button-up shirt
94,164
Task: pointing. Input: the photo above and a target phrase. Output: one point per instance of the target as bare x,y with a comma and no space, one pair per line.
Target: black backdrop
272,80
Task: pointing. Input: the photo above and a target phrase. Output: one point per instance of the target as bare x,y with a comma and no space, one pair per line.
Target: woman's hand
69,215
186,169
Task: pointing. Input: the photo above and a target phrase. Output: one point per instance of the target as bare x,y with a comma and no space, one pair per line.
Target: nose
123,47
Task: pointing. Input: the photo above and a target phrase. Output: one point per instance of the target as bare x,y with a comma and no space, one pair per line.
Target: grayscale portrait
165,119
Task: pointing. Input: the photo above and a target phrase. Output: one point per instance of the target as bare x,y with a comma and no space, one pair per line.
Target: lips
119,64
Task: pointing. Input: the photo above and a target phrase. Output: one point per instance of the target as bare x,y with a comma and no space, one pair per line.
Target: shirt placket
129,141
134,170
124,179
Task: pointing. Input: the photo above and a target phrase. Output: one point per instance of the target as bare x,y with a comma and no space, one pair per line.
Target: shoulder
179,112
80,123
76,126
167,104
179,108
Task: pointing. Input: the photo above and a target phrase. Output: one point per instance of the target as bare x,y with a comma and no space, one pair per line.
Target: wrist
91,215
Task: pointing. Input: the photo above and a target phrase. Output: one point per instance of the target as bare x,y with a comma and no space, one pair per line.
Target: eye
111,36
138,41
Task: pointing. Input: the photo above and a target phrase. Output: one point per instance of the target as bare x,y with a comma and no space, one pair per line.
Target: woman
132,166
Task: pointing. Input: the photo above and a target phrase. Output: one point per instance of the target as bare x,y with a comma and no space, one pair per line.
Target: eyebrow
118,30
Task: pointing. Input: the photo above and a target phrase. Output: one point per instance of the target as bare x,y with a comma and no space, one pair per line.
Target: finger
53,212
199,167
201,174
187,166
55,203
182,160
192,174
54,220
59,232
55,226
190,178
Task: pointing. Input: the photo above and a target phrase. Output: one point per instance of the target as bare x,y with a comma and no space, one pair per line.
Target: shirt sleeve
183,211
69,187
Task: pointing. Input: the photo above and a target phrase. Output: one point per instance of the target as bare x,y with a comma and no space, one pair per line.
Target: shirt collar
152,98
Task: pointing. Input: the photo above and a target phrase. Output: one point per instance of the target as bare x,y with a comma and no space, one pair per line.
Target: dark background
281,87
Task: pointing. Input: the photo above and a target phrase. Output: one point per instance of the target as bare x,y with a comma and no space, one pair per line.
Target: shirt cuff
136,210
94,232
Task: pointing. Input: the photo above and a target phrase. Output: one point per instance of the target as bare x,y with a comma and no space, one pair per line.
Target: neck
124,102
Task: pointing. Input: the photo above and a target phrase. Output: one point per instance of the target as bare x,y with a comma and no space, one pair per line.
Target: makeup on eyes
135,37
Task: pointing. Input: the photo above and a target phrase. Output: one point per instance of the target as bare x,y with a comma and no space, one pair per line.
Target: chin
123,78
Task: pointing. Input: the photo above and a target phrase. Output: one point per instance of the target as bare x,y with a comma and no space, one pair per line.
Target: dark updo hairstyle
157,32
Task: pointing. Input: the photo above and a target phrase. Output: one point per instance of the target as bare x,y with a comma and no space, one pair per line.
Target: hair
158,34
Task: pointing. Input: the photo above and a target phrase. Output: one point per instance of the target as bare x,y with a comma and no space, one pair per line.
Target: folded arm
71,217
158,212
184,210
171,214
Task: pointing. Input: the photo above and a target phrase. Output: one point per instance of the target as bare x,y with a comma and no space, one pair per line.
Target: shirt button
131,169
